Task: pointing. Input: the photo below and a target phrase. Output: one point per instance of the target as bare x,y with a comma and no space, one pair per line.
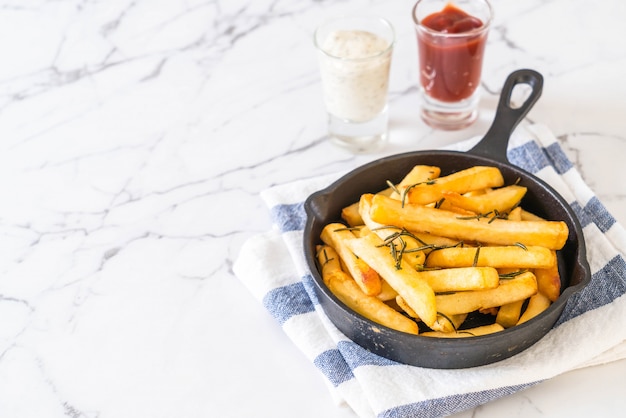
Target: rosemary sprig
475,263
393,187
326,258
348,228
398,245
512,275
491,215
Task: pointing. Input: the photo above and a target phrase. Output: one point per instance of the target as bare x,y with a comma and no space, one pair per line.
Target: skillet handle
494,143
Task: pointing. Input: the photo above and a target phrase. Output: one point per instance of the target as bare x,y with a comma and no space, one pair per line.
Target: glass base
449,116
359,137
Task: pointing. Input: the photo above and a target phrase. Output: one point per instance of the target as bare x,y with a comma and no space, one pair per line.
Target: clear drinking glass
355,58
451,40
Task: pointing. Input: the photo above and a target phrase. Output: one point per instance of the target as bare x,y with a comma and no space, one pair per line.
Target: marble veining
135,138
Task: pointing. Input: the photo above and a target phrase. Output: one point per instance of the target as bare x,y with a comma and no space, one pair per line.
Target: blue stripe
529,156
287,301
533,158
356,356
606,285
559,160
334,367
338,364
594,212
289,217
584,216
309,287
600,215
451,404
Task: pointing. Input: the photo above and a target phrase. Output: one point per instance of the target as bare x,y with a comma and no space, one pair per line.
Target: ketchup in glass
451,47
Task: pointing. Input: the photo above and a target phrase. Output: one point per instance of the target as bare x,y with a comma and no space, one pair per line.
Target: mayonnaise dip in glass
355,74
355,59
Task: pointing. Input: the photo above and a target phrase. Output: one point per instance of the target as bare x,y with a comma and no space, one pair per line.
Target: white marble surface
135,137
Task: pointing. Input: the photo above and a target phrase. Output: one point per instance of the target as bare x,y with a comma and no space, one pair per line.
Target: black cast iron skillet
325,206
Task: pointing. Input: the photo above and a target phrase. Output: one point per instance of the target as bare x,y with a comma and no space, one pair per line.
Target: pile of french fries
424,254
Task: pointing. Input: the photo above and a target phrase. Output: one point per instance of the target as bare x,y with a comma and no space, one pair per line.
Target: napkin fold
591,330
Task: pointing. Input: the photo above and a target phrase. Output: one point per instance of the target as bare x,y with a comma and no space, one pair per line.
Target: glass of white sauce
355,58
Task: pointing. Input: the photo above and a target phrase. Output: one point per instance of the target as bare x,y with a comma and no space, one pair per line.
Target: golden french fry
418,174
550,234
336,235
464,333
501,200
351,215
536,304
549,281
515,214
460,279
497,256
509,313
529,216
509,290
347,291
387,292
406,281
405,307
463,181
444,204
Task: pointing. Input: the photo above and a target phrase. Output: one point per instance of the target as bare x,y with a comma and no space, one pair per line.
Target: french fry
464,333
350,214
549,281
536,304
509,290
515,214
336,235
444,204
418,174
550,234
406,308
509,313
463,181
347,291
501,200
461,279
529,216
497,256
387,292
406,281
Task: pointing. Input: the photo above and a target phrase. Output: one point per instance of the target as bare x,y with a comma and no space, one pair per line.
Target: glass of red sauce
451,39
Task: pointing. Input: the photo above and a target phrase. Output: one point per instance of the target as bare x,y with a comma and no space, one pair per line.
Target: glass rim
367,58
474,32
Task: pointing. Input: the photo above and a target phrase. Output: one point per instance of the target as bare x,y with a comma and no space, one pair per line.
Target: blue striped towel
273,268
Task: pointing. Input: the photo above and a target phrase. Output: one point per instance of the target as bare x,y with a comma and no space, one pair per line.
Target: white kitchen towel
591,330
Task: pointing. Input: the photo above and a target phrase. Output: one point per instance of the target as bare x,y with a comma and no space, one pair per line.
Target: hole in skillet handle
494,144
